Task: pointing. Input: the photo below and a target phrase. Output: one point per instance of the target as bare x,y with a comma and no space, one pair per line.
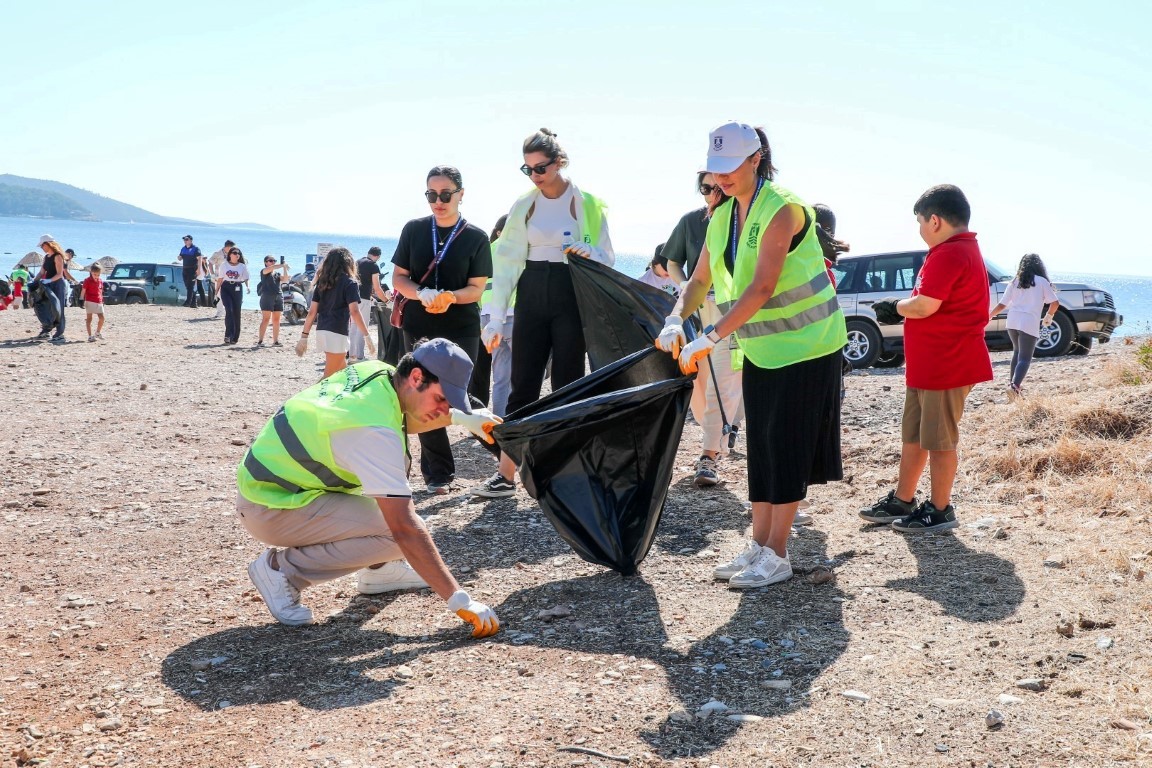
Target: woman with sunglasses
551,223
763,256
442,264
271,298
335,304
230,285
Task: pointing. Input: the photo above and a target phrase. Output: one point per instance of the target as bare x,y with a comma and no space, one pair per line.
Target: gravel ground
131,635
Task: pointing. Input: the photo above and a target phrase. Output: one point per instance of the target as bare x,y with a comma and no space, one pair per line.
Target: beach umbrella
31,259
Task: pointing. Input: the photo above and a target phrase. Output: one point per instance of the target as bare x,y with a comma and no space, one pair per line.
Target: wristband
303,334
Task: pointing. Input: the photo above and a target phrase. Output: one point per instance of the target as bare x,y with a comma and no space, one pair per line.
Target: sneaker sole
881,520
705,482
485,494
928,529
765,583
392,587
263,587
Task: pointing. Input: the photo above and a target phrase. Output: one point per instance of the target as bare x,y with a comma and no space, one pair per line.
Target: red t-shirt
93,290
946,349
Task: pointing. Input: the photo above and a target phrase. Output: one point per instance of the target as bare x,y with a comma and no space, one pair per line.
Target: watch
709,331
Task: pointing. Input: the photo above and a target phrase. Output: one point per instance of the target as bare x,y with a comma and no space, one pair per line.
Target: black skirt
792,427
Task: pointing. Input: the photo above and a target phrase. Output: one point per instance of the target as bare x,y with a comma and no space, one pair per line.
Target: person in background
441,265
1024,298
19,278
193,262
271,298
368,272
946,317
762,255
93,291
657,274
230,286
215,264
713,398
335,302
553,222
349,508
53,274
493,371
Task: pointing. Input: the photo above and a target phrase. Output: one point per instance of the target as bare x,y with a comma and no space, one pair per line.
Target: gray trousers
1023,347
337,534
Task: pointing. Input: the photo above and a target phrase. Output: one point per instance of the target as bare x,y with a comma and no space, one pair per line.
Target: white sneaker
725,571
389,577
281,598
767,568
802,517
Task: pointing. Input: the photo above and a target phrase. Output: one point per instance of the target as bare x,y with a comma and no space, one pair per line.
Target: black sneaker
495,487
927,519
888,509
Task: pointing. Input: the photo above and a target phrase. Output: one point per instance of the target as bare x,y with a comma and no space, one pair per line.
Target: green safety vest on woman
802,320
290,463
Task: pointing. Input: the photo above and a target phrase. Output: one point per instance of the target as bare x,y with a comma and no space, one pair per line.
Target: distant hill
41,198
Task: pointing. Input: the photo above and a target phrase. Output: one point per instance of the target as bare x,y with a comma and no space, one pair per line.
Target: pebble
720,667
786,643
776,685
223,704
1125,725
1007,698
405,671
1066,629
555,612
1032,684
1104,643
759,645
1055,563
941,748
994,718
238,441
710,708
856,695
745,718
43,491
110,724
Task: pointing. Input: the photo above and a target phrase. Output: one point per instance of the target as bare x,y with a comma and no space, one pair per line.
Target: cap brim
723,164
457,396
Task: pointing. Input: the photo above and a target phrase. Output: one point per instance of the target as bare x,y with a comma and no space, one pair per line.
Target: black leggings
437,466
547,324
232,294
192,286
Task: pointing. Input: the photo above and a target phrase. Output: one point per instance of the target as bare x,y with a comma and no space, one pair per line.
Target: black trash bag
620,315
45,304
389,343
598,455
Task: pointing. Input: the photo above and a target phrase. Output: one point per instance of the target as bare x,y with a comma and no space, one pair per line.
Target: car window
845,274
890,273
142,273
170,274
120,273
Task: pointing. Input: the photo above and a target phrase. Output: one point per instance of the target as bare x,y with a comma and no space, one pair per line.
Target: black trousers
436,463
481,386
232,294
191,286
547,324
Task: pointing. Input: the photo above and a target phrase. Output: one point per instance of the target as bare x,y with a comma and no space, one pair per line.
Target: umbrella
31,259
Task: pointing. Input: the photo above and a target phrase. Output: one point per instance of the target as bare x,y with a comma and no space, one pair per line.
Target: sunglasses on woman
539,170
707,189
235,253
432,195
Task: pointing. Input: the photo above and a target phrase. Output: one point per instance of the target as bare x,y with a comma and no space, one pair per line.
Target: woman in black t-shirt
442,264
335,302
271,298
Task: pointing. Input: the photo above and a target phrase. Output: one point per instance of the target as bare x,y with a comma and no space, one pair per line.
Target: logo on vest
717,143
753,234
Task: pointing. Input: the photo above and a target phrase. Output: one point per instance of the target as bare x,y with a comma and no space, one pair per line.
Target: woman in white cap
53,273
546,226
762,255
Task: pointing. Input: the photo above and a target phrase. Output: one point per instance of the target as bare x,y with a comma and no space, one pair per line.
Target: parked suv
145,284
1086,313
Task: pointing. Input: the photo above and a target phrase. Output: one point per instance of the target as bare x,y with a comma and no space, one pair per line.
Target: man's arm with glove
480,422
481,617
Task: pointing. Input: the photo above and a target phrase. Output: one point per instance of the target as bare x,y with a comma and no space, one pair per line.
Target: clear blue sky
326,116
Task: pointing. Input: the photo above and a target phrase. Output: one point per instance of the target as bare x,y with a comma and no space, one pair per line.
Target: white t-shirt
233,273
215,260
1025,305
666,284
376,455
550,220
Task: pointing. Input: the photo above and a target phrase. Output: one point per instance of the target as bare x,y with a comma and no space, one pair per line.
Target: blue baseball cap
448,363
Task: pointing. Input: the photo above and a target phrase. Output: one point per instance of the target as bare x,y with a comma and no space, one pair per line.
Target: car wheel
863,344
134,299
1056,339
889,360
1082,345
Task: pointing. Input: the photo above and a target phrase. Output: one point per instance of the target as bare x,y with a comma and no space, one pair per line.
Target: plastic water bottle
567,242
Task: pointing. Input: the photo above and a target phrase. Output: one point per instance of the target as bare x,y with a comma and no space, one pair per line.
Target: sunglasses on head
539,170
444,197
707,189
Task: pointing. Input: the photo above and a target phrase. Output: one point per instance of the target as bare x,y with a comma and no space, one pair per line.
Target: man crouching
327,480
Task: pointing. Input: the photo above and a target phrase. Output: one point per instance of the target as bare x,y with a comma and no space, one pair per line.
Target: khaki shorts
332,342
932,417
93,308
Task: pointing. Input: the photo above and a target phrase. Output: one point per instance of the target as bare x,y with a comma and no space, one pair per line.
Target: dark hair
338,262
658,258
712,206
228,243
407,364
448,172
825,218
374,251
826,233
238,251
497,228
945,201
765,169
69,250
1030,267
545,141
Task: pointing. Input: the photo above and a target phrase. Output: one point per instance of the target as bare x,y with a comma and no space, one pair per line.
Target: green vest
487,296
290,463
802,320
593,218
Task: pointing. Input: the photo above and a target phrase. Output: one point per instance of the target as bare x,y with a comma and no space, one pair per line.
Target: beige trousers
705,404
335,535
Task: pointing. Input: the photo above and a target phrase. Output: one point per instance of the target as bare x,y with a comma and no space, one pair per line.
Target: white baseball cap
729,145
45,239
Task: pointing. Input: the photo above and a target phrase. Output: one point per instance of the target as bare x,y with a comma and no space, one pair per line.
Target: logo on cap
717,143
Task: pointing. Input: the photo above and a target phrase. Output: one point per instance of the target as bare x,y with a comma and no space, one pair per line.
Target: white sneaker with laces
281,598
726,571
389,577
767,568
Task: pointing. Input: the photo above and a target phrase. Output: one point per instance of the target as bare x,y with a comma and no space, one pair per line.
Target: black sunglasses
707,189
444,197
539,170
235,253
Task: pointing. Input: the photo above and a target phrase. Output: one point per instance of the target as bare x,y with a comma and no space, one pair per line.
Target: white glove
371,347
480,422
672,338
492,334
579,249
1047,321
427,296
302,346
691,355
481,617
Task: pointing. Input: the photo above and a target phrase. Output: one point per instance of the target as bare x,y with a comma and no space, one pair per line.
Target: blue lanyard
736,223
438,256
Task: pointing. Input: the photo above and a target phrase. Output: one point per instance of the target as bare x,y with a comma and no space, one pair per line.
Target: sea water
161,243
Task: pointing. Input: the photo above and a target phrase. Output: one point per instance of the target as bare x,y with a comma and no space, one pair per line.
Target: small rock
786,643
821,575
681,716
994,718
1125,725
776,685
744,718
238,441
711,708
43,491
143,387
1104,643
941,748
153,702
856,695
101,646
555,612
1007,698
25,588
1032,684
223,704
1087,623
999,533
405,671
34,731
1065,629
945,703
110,724
1055,563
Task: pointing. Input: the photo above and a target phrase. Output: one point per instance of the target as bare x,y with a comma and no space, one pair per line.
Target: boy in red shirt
93,289
945,357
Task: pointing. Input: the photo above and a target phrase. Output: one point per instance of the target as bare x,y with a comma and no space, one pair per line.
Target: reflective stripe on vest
791,296
299,453
794,323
